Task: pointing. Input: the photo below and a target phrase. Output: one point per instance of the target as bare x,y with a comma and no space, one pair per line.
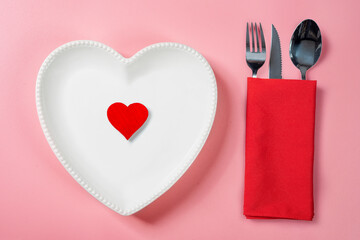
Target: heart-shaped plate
80,80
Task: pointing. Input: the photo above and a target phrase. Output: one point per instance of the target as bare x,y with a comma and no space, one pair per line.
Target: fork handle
254,73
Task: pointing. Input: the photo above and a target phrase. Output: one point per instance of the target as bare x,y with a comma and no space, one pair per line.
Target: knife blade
275,55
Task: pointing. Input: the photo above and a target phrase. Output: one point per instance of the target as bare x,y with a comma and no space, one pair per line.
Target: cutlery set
305,48
280,120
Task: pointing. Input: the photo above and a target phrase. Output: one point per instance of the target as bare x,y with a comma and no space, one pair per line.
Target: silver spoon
305,46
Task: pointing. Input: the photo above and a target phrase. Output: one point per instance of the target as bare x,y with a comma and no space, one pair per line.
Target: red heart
127,120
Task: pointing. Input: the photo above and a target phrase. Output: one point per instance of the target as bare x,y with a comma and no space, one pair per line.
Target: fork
255,59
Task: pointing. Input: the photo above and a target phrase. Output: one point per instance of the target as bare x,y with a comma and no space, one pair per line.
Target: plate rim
179,171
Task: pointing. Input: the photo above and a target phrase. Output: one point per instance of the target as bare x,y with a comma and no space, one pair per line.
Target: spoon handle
303,73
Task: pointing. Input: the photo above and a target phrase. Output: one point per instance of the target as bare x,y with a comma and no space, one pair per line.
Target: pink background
40,200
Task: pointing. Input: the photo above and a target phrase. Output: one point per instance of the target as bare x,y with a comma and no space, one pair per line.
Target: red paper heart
127,120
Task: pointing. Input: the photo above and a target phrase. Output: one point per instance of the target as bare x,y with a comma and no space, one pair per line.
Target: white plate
80,80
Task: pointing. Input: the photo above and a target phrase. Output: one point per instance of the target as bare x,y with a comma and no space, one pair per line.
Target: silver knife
275,55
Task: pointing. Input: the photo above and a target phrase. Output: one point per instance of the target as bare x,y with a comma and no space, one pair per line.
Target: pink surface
40,200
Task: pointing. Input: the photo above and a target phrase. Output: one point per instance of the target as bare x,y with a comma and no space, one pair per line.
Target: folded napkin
279,149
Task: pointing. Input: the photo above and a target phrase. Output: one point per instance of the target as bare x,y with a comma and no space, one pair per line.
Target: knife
275,55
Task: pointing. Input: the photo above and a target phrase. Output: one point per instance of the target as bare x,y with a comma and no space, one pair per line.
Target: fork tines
254,57
256,30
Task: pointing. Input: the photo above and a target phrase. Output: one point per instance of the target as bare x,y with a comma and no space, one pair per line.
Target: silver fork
255,59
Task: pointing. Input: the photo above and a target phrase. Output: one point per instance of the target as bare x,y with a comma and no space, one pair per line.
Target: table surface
40,200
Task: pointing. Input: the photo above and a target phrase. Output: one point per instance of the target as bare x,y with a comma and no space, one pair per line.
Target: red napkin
279,149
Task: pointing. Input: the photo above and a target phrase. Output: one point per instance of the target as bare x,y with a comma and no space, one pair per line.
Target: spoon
305,46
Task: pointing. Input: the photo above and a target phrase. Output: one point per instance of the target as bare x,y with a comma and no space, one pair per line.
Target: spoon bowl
305,46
